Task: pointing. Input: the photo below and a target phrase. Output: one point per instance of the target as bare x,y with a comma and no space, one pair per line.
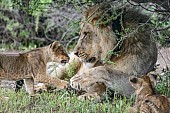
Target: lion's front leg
54,81
91,82
94,89
84,81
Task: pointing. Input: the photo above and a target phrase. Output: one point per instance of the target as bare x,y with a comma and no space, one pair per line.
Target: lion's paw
75,82
63,85
82,82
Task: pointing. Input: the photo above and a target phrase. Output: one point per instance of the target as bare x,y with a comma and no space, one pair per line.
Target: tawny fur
137,55
31,66
146,100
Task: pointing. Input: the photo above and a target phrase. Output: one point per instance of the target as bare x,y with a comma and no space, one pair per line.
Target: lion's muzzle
64,61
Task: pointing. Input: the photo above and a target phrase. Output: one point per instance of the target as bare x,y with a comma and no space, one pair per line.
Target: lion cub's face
145,80
58,53
146,100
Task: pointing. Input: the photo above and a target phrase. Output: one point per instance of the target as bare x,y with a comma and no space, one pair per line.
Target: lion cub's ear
153,78
54,46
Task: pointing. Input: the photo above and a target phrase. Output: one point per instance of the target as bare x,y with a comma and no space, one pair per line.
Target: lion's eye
85,33
83,48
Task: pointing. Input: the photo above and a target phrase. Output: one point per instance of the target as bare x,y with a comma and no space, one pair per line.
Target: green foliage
11,46
6,4
163,86
17,19
5,46
71,70
74,26
107,61
109,53
38,6
162,34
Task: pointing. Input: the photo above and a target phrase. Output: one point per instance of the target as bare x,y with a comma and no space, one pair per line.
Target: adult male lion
137,53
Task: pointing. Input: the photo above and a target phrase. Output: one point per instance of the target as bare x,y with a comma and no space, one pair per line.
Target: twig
71,41
155,10
161,29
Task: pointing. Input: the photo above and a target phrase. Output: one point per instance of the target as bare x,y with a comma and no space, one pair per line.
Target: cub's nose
76,53
64,61
133,79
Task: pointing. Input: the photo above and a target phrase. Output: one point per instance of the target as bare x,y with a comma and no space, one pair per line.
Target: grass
66,102
57,102
163,84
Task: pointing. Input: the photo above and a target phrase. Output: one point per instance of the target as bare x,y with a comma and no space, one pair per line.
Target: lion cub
31,66
146,100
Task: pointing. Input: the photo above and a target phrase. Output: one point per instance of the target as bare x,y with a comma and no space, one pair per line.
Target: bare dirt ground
162,63
163,60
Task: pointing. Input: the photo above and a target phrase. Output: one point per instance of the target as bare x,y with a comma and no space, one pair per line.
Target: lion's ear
153,77
54,45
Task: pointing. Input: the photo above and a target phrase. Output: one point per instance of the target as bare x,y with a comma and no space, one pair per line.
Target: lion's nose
76,53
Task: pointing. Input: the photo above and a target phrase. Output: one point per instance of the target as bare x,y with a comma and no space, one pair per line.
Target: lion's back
13,66
156,103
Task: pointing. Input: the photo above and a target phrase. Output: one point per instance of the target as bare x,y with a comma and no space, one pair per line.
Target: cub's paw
90,96
40,87
63,85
